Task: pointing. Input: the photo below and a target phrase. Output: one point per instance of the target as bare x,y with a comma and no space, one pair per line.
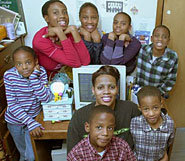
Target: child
157,64
120,47
100,143
26,87
90,34
153,132
59,44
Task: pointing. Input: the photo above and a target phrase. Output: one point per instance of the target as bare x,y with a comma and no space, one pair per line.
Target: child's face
89,19
160,38
105,90
25,63
57,16
150,107
121,24
101,130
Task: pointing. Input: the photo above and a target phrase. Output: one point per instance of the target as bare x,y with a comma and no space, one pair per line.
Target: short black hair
87,4
126,14
25,48
47,4
100,109
161,26
106,70
148,91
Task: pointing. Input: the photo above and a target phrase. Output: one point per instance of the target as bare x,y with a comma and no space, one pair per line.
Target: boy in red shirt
100,143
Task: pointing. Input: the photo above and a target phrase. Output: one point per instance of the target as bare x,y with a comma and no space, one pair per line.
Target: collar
93,150
17,73
163,127
164,57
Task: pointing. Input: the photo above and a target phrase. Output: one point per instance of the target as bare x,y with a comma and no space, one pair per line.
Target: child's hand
96,36
73,30
55,32
112,36
37,132
165,157
85,34
126,38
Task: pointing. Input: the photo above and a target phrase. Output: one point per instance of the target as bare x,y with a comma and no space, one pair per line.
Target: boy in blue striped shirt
26,87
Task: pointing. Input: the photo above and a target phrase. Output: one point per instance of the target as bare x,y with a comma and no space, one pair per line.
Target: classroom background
143,18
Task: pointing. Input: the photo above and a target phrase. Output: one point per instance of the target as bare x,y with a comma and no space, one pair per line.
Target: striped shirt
117,150
161,72
150,144
24,96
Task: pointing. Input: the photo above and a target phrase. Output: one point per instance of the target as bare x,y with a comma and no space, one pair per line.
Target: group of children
152,132
60,44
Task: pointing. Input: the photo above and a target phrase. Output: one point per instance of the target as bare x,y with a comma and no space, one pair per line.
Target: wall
143,14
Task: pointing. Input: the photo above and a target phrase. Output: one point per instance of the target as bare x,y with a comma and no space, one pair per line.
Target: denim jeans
22,141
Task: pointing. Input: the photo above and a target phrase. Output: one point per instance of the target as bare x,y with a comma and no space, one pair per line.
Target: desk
42,145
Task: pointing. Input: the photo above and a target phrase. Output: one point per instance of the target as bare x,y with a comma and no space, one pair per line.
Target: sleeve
73,132
131,126
122,54
139,66
94,51
72,156
15,107
107,50
126,153
39,83
172,135
83,53
170,80
66,55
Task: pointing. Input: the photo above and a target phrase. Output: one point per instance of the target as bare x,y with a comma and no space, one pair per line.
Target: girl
91,36
59,44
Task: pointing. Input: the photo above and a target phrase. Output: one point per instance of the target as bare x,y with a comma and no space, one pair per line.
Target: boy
100,143
153,132
119,46
26,87
157,64
58,43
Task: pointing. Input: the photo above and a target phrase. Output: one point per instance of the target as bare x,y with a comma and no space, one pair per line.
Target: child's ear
139,107
36,61
130,28
46,18
93,90
151,38
87,127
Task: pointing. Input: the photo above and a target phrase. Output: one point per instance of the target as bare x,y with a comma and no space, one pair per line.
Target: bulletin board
14,5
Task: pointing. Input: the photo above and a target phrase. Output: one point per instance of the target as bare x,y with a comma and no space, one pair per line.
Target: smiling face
121,24
160,38
57,15
105,90
89,19
150,107
101,130
24,62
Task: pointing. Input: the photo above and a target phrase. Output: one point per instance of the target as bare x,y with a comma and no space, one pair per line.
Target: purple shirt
115,53
24,96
